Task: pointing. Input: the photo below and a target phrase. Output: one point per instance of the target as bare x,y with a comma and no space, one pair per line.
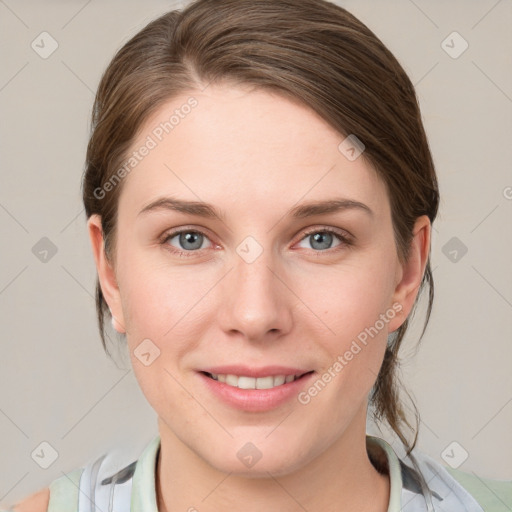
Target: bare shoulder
37,502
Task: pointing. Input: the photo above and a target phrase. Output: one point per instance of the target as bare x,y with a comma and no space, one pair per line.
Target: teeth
244,382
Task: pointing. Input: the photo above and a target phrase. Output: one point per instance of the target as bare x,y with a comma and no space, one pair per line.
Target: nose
256,301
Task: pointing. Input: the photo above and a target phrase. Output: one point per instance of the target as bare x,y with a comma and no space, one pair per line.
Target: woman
260,194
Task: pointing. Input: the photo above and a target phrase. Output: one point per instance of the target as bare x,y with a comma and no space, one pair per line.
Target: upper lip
255,372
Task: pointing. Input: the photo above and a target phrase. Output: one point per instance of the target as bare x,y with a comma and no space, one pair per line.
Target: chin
253,462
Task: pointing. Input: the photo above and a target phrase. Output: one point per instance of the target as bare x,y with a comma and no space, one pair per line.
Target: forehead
232,145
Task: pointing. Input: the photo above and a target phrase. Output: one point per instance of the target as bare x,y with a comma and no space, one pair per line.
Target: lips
255,400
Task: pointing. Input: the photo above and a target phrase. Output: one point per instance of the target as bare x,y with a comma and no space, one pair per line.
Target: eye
186,241
189,241
322,239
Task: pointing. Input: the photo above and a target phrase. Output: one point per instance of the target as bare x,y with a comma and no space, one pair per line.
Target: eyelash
344,239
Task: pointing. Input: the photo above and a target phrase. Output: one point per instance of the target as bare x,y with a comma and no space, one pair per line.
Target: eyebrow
206,210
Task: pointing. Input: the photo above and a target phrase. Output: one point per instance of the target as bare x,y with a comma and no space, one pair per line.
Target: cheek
351,335
349,299
162,327
153,295
165,304
353,316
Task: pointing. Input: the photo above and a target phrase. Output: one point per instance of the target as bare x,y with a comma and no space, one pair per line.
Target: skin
254,155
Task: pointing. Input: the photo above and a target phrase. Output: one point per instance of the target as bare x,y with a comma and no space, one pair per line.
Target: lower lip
256,400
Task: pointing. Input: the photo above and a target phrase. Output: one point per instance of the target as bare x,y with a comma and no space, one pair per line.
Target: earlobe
411,272
106,273
116,324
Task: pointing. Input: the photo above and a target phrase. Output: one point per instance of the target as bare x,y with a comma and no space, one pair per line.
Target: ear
410,274
106,273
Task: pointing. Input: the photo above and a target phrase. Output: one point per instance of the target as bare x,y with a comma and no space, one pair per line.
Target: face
260,284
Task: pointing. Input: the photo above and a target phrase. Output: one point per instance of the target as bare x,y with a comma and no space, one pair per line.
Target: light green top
492,495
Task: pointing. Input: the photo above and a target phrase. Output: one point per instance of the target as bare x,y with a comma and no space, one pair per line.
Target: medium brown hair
310,50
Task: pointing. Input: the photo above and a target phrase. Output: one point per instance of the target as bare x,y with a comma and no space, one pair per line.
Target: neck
340,479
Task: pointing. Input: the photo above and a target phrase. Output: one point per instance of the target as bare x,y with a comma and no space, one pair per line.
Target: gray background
57,385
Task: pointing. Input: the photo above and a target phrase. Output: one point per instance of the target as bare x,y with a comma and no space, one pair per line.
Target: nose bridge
256,301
